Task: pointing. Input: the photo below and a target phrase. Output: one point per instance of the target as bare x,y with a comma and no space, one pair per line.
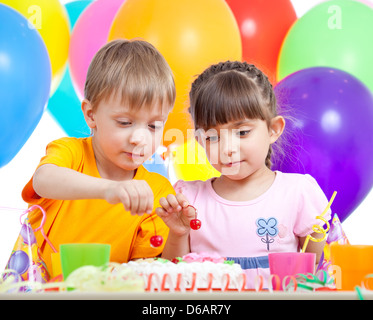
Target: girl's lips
232,164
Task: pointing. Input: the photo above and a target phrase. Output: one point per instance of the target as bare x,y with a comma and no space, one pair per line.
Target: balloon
25,78
191,35
89,35
50,19
336,34
65,105
263,27
156,164
332,134
189,162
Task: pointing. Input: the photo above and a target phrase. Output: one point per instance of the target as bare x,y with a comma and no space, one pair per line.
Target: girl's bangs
227,98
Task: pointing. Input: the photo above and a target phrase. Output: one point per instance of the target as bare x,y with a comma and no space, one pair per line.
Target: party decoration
334,34
50,19
90,33
335,235
318,228
25,260
189,162
191,35
331,134
25,79
65,105
263,27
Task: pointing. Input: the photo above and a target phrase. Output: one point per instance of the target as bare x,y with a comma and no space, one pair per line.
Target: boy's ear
88,113
276,128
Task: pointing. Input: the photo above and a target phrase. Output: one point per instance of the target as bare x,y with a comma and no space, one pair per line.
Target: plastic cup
283,264
76,255
351,264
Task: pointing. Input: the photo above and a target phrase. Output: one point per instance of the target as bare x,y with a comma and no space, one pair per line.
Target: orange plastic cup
351,263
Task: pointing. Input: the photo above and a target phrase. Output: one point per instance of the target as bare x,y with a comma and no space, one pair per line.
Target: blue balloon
25,80
156,164
65,105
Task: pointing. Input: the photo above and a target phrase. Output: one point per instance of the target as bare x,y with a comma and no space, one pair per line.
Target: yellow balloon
189,162
191,35
50,18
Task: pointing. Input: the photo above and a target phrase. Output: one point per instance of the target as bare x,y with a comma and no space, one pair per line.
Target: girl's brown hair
231,91
135,69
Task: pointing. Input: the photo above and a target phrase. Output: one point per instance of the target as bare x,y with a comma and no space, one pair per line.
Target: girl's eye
243,133
212,138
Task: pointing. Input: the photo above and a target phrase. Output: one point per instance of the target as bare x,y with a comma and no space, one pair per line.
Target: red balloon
263,26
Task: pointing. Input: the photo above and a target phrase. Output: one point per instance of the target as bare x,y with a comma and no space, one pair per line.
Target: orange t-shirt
95,220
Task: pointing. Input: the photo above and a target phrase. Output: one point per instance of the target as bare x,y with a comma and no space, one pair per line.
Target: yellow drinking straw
319,229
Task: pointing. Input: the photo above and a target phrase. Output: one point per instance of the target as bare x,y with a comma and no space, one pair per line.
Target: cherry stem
155,230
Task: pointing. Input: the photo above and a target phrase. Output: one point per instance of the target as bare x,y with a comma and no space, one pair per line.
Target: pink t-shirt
246,231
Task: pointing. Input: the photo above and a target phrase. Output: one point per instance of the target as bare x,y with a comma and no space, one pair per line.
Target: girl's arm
176,246
312,246
54,182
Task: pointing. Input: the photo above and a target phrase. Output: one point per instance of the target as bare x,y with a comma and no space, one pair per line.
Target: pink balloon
90,33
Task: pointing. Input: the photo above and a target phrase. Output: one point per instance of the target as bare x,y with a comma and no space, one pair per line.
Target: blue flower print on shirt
267,228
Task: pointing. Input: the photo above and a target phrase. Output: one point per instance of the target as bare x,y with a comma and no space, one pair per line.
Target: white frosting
164,275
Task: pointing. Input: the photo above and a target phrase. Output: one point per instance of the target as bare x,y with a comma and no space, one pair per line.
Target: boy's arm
54,182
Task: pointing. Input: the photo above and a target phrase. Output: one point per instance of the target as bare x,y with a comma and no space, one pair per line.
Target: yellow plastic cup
76,255
351,264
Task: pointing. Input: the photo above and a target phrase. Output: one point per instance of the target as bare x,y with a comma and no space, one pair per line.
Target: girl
250,210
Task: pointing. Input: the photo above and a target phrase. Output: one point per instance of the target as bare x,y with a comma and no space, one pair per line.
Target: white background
15,175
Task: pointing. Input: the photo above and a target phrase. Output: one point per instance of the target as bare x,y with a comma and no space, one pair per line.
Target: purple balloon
331,133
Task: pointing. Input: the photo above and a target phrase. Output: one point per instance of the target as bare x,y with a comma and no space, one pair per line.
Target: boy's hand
136,195
176,213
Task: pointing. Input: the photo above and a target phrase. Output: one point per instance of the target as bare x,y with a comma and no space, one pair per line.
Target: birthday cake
192,272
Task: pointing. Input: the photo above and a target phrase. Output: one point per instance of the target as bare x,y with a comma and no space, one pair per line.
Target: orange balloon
191,35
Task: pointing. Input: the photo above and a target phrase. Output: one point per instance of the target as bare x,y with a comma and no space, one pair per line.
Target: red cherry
156,241
195,224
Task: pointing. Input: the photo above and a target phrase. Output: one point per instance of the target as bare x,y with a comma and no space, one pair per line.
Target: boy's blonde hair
135,70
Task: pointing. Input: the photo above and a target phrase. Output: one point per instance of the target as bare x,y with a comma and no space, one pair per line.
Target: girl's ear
276,129
88,113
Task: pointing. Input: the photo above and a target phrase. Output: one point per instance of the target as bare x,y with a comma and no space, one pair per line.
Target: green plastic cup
76,255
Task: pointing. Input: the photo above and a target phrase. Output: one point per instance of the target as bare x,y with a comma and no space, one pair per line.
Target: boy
95,189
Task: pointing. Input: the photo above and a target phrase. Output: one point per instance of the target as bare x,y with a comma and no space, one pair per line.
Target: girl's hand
176,213
136,195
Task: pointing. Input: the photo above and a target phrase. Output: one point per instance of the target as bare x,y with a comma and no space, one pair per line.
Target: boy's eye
124,123
156,126
212,138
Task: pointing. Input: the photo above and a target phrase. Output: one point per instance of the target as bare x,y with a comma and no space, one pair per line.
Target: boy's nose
139,137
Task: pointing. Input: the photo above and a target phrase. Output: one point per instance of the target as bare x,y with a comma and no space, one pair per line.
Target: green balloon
337,34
